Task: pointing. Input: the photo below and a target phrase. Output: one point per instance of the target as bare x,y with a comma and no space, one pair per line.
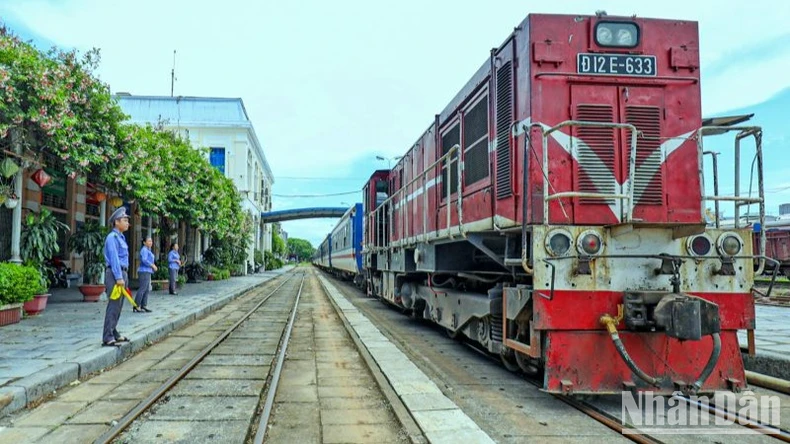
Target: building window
217,158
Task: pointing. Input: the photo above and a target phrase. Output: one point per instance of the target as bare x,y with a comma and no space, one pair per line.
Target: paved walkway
63,343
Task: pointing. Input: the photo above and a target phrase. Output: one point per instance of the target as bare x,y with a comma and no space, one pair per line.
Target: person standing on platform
173,263
116,258
144,272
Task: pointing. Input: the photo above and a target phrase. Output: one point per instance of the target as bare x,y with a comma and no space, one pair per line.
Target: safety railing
383,217
626,211
738,200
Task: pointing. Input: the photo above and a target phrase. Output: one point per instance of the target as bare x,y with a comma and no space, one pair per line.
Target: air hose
611,325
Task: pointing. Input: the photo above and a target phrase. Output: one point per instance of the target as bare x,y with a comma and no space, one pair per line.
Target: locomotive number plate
616,64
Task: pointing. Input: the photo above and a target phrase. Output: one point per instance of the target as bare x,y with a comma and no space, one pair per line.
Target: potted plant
18,283
39,301
39,243
89,242
5,193
195,272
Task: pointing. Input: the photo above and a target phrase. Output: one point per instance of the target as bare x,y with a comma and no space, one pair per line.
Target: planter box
37,305
158,285
10,314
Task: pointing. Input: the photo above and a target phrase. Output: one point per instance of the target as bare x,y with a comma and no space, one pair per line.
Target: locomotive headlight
625,37
558,243
617,34
603,35
699,245
729,244
589,243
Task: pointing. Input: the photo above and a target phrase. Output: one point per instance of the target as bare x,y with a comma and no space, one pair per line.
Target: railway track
606,411
780,292
282,300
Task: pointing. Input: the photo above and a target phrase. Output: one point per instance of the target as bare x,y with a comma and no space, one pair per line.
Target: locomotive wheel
509,360
525,364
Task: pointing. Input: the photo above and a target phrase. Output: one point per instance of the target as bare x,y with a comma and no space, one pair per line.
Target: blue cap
118,214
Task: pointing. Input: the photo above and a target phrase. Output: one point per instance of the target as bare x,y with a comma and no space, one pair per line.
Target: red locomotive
553,212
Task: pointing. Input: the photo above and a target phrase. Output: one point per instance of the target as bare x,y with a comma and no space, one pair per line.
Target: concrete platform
772,342
440,419
41,354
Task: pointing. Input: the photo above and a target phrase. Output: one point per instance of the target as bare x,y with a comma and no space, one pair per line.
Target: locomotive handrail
743,132
396,196
628,196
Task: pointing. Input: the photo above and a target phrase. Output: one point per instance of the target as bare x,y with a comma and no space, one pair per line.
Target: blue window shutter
217,159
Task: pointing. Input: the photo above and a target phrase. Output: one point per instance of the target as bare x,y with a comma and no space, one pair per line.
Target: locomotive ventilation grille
596,156
476,142
450,139
648,181
504,115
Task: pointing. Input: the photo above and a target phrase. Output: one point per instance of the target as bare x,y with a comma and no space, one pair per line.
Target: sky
331,85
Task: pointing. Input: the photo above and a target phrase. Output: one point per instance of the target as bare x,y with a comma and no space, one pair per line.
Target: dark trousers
141,298
114,307
173,276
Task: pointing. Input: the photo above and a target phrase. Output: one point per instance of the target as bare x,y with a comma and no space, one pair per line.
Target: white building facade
223,126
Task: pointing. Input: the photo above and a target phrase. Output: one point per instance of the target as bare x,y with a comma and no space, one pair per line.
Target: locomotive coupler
679,315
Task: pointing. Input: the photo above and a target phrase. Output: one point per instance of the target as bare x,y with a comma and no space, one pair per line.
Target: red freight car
557,201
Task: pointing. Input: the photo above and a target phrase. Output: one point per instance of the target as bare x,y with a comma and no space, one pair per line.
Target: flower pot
10,314
37,305
11,203
91,293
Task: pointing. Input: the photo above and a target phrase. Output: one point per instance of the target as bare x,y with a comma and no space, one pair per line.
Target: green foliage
272,262
161,273
230,251
174,180
278,245
40,241
18,283
89,242
258,259
219,274
52,101
300,248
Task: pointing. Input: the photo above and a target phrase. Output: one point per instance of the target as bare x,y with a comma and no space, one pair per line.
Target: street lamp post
389,160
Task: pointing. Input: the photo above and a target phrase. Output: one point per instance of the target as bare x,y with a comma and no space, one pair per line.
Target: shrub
18,283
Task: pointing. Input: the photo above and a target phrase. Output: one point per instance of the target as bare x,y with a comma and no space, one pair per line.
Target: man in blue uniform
116,257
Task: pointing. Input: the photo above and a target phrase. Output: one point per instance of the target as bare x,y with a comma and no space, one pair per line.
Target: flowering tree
52,102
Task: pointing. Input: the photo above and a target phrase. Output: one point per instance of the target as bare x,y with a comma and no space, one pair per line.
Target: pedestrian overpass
302,213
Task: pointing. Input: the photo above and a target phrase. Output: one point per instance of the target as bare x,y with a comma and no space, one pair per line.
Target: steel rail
737,418
602,417
263,423
145,404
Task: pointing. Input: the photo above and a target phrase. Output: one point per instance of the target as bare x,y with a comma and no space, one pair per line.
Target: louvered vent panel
504,117
596,155
649,182
476,163
450,139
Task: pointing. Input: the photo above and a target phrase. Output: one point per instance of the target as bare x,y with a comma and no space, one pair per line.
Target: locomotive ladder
738,200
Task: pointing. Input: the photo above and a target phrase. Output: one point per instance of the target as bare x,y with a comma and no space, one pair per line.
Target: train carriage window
450,139
476,142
